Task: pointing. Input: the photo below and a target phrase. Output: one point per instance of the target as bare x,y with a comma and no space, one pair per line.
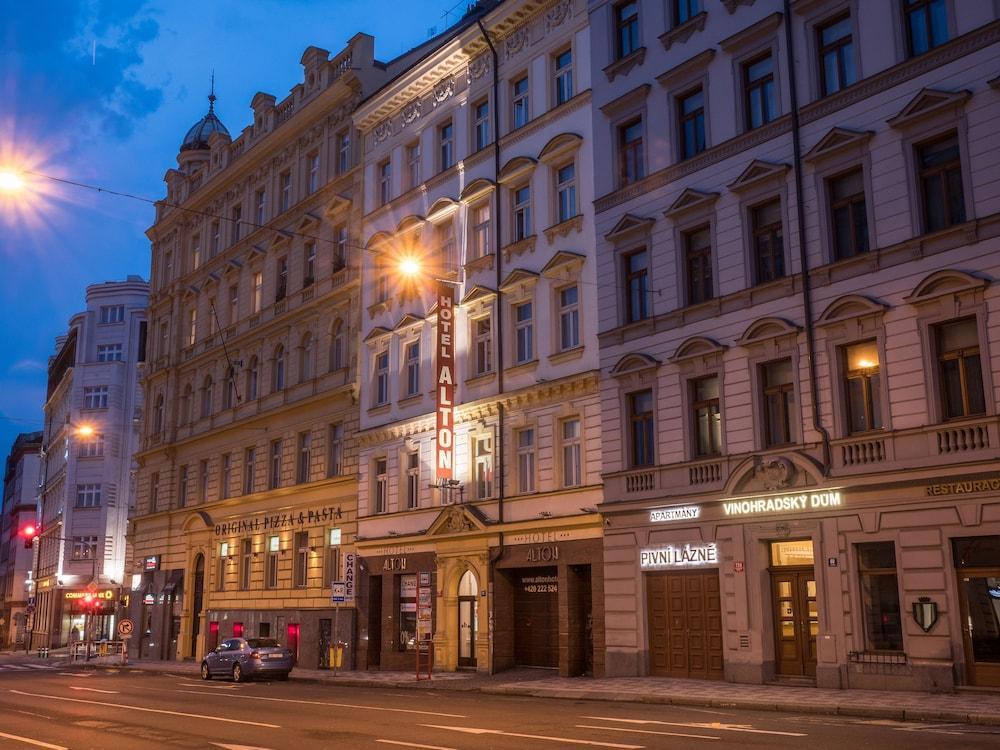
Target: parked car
246,658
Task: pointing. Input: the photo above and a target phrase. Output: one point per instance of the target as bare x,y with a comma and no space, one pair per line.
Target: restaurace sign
278,521
445,451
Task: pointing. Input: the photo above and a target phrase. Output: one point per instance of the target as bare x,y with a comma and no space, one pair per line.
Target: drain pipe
803,252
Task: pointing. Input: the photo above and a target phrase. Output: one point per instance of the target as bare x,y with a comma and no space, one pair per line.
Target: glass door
981,626
796,612
468,619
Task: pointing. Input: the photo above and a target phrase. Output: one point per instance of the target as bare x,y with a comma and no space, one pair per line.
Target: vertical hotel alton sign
445,450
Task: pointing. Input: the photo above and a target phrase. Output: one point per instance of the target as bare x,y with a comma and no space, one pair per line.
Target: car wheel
205,673
238,673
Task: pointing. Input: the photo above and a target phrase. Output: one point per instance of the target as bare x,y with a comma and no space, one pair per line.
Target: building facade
20,485
799,331
479,412
92,412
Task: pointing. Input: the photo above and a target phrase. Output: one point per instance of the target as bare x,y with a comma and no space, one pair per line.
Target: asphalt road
123,710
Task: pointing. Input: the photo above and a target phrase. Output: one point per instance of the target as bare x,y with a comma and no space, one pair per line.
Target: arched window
278,369
306,358
206,396
468,586
187,404
253,371
338,356
229,394
158,415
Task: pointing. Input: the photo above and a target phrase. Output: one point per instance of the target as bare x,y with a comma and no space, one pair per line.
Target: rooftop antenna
211,96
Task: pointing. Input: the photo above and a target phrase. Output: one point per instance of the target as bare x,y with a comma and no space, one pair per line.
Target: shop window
880,596
862,385
959,369
264,630
237,631
407,634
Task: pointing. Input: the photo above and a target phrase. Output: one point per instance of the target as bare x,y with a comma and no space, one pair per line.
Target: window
483,462
216,241
519,103
960,369
249,470
413,164
229,389
95,397
940,170
164,349
636,286
88,495
382,377
525,460
563,64
84,547
258,291
448,248
236,220
220,574
480,223
862,386
308,264
158,410
274,466
110,352
779,401
412,480
113,313
631,158
926,25
847,215
182,487
641,439
278,369
337,360
446,145
382,285
698,265
260,207
626,28
234,304
225,475
187,404
92,446
271,574
285,186
412,356
566,192
758,87
207,396
684,10
281,289
335,451
572,466
253,377
706,416
168,266
521,205
343,151
203,480
332,557
306,358
880,596
312,178
483,339
301,565
569,318
340,248
302,466
691,129
524,333
406,638
384,182
246,561
381,493
481,124
836,55
768,248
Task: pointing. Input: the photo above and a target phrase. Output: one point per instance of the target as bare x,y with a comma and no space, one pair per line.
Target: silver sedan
243,659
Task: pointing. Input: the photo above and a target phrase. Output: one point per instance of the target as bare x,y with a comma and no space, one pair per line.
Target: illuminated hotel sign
445,450
753,506
684,513
679,556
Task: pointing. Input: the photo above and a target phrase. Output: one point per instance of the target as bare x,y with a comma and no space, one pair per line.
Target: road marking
14,666
649,731
94,690
148,710
414,744
76,674
718,726
245,697
30,713
208,685
30,741
238,747
38,666
501,733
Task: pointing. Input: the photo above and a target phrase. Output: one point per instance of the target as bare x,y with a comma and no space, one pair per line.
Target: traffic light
29,532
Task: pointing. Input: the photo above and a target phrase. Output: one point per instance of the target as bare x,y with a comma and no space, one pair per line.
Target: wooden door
685,624
796,621
980,602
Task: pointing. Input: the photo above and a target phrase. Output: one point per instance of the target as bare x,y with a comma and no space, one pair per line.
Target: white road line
649,731
93,690
718,726
148,710
245,697
414,744
568,740
208,685
30,741
14,666
76,674
38,666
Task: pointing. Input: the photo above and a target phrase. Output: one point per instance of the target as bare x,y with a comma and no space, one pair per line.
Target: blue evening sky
102,92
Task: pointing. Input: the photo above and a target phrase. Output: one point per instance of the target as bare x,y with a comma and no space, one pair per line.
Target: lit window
706,416
862,384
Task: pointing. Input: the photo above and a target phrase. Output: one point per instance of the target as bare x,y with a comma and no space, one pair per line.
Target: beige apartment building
801,341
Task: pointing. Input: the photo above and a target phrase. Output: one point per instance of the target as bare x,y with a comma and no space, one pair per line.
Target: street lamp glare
10,182
85,430
409,266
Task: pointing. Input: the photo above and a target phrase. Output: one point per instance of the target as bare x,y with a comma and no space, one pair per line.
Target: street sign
339,592
125,628
349,570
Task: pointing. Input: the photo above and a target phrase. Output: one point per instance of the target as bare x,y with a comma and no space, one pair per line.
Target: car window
263,643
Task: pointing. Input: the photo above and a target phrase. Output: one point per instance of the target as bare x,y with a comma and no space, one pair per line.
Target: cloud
28,365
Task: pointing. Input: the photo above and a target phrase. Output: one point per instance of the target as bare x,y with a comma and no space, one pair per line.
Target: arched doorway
198,601
468,619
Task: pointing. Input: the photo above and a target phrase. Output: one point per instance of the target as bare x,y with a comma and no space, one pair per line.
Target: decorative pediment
765,329
411,223
212,280
280,238
408,320
257,250
232,266
697,346
442,207
947,281
757,172
309,220
836,140
477,189
519,276
376,333
378,241
685,70
457,519
929,102
563,262
191,291
478,291
517,168
560,147
690,200
629,226
628,100
634,363
849,307
337,204
763,475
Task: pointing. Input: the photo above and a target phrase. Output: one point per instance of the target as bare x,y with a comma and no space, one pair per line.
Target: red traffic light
29,532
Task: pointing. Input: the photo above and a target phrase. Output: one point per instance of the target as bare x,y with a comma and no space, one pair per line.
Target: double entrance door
685,624
796,621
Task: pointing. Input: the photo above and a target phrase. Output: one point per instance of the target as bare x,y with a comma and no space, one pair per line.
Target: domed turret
197,137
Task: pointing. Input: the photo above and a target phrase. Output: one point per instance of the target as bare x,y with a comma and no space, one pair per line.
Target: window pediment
212,280
947,281
309,220
690,67
337,204
690,200
519,279
376,333
849,307
411,223
407,321
633,364
442,208
563,262
629,227
232,266
191,291
280,238
517,168
378,241
835,141
697,346
560,147
626,101
928,102
478,292
757,173
765,329
256,250
758,32
477,189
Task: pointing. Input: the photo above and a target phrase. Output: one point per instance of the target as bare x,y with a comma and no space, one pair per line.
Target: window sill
527,245
623,65
483,379
416,398
482,263
567,355
529,366
379,409
680,34
564,228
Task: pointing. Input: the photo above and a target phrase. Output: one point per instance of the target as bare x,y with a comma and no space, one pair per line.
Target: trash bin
336,657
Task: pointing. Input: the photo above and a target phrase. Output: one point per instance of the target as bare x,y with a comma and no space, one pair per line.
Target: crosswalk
26,667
